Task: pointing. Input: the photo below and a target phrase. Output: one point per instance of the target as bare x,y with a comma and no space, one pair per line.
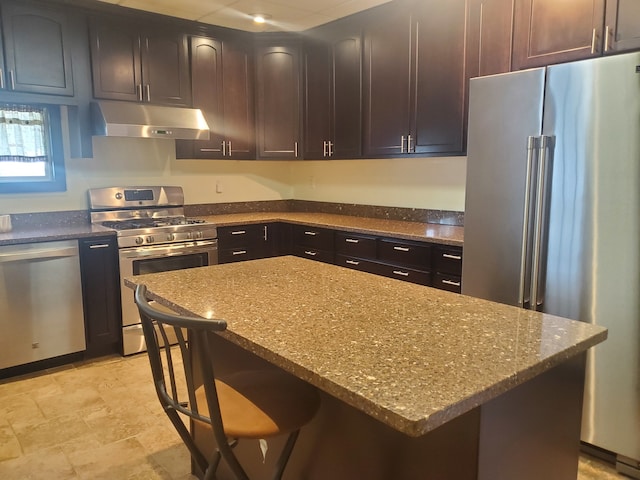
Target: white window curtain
22,134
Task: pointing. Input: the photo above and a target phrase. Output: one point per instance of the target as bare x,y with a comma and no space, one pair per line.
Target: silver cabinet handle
351,240
139,90
593,42
12,78
331,149
451,282
295,149
353,262
402,144
401,273
324,149
310,253
401,249
606,38
239,252
238,232
1,78
409,144
100,245
265,233
313,234
224,148
229,148
148,88
452,257
208,150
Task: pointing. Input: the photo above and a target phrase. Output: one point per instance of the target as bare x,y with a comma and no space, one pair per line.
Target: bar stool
255,404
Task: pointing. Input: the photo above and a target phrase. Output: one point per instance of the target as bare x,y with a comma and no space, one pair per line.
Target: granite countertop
444,234
412,357
52,233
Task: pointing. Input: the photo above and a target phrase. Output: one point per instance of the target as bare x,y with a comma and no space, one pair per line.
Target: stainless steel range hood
125,119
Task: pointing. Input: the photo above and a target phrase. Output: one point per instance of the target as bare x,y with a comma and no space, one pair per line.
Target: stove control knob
139,240
150,239
171,237
189,235
198,234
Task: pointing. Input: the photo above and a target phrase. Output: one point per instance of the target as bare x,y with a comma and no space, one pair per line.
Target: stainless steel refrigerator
552,218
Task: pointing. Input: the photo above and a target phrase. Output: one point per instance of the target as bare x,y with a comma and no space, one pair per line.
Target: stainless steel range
154,235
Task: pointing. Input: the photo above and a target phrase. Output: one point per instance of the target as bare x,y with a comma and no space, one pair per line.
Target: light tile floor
101,420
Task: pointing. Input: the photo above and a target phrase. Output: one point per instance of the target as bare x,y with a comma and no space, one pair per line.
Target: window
31,153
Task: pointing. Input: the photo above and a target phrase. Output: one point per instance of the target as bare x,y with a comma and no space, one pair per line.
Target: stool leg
284,456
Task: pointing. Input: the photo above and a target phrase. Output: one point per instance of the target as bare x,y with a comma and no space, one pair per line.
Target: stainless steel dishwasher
41,314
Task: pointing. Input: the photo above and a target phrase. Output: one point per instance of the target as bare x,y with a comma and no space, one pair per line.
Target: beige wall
435,183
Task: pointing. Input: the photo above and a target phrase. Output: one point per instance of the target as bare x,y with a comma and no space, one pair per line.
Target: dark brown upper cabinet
37,50
278,91
333,93
549,31
414,81
489,32
622,26
222,87
139,67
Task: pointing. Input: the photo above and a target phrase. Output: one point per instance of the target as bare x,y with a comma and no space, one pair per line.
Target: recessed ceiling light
260,17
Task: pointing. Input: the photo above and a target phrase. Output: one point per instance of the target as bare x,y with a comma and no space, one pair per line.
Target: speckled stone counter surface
412,357
31,233
444,234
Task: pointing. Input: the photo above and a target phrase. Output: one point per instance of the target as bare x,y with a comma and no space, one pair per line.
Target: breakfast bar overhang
416,383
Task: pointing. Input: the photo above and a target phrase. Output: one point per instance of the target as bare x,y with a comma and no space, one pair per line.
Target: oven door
153,259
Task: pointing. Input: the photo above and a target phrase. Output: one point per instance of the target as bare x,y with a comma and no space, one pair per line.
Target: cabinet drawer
356,245
448,282
401,273
356,263
319,238
313,253
410,254
447,260
239,235
236,254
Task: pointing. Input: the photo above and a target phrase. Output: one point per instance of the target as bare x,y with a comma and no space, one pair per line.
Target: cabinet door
278,99
115,62
165,68
347,96
489,29
206,81
387,37
317,100
238,98
439,78
549,31
36,44
622,31
101,295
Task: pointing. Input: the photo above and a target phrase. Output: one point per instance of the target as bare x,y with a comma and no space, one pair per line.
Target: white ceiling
285,15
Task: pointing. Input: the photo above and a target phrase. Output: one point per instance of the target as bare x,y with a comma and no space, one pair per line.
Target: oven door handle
159,251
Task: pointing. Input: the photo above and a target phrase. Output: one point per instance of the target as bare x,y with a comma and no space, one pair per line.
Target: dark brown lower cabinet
249,242
100,276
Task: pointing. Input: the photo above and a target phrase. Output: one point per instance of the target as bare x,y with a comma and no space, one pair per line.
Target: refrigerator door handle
532,148
538,233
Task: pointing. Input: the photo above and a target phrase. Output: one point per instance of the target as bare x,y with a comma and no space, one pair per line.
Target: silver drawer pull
313,234
353,262
351,240
239,232
239,252
100,245
209,150
401,273
449,282
312,254
452,257
401,249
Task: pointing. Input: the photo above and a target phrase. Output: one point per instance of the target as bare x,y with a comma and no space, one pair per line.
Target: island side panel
533,431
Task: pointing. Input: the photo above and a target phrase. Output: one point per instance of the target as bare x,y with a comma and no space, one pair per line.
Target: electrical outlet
219,187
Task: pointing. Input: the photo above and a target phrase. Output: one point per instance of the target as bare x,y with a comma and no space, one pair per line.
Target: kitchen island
416,382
